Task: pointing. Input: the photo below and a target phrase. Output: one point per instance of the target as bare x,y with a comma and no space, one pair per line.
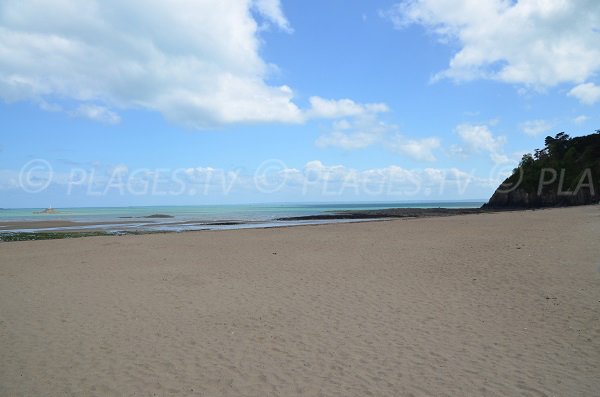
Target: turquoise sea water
200,217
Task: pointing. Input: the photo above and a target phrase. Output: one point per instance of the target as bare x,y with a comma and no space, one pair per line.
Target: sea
203,217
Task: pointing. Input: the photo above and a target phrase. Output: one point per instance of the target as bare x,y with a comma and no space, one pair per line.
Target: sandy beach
489,304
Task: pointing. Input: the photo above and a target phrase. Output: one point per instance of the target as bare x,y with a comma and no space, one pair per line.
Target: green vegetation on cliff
565,172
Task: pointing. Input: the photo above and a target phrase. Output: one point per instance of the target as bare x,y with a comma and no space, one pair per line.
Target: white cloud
363,129
587,93
499,158
271,9
458,151
49,107
330,108
535,127
97,113
357,140
360,128
537,43
355,133
317,173
417,149
581,119
479,138
197,63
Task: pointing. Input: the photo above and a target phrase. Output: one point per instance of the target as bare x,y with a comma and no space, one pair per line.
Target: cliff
565,172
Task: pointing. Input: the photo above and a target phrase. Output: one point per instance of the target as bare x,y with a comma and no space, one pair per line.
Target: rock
159,216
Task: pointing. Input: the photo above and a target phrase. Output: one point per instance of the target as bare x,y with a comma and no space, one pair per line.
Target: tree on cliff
565,172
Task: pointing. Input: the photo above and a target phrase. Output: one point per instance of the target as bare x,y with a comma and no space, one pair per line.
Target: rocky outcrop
385,213
158,216
520,198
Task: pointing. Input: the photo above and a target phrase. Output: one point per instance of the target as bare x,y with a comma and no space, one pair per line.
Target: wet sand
57,224
490,304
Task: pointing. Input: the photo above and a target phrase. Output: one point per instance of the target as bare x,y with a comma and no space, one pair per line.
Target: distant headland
565,172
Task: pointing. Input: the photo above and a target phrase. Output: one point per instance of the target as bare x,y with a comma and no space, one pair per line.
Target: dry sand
493,304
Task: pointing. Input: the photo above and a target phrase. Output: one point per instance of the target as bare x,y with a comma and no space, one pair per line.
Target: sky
114,103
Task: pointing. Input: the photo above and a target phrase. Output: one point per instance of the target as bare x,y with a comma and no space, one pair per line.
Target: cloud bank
195,62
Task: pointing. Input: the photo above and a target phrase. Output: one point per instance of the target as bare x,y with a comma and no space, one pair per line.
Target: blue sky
132,103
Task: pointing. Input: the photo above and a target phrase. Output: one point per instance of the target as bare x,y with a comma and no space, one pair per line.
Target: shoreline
60,229
51,229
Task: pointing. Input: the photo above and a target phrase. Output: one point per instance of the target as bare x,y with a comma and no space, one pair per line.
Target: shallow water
204,217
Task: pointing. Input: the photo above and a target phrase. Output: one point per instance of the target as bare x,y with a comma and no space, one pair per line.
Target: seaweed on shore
26,236
29,236
386,213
